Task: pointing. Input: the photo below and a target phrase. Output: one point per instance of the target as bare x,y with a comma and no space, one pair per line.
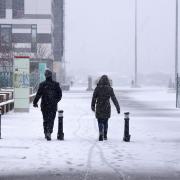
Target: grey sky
100,36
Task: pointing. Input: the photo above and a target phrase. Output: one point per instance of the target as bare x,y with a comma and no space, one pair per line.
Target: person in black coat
101,105
50,93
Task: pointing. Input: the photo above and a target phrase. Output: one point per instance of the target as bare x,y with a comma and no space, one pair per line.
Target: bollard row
60,135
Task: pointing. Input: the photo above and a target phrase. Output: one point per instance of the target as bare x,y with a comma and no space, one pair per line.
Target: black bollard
60,135
0,120
127,136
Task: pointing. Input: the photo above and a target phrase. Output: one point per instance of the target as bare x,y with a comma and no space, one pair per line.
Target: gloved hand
35,105
93,109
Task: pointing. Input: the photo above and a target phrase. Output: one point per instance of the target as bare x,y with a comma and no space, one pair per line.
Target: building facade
39,34
20,31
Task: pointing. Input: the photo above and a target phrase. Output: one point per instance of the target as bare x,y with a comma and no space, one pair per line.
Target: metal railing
9,104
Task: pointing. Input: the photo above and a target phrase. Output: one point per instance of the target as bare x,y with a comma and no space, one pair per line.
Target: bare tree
6,66
6,59
42,52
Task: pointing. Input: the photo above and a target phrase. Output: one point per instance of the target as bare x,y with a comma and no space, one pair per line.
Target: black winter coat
101,100
51,94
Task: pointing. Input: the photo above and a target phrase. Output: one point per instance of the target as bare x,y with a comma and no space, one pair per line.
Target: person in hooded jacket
101,105
50,93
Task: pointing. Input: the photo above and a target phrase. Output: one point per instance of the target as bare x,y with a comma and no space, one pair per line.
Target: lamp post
176,50
135,49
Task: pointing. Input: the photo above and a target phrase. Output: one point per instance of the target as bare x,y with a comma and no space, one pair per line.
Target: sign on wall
42,68
21,83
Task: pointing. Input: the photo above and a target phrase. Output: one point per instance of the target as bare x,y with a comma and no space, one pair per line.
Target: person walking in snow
101,105
50,93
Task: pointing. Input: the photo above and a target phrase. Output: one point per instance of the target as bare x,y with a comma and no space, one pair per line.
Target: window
2,8
18,8
6,37
34,38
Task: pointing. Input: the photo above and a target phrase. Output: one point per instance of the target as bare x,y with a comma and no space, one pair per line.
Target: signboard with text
21,83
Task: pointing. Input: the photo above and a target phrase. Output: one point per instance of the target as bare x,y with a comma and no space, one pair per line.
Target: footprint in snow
80,165
120,156
68,162
71,169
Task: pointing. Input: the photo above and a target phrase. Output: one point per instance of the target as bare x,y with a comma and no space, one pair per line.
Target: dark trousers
48,121
103,126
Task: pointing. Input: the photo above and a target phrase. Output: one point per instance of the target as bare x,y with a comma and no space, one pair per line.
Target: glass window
18,8
2,8
34,38
6,37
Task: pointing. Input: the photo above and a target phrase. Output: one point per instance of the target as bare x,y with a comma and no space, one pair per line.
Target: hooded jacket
50,93
101,99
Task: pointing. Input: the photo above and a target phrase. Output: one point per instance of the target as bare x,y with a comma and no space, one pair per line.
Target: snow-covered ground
154,147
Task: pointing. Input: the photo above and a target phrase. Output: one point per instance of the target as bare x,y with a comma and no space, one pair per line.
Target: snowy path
153,151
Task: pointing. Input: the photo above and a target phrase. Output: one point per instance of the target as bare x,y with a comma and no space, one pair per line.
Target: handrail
12,100
6,102
34,94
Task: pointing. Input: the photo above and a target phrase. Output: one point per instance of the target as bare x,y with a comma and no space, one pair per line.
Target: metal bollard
127,136
0,120
60,135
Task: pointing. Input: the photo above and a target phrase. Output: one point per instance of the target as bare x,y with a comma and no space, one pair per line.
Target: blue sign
42,68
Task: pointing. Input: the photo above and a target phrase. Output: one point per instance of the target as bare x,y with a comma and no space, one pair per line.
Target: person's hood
48,73
104,81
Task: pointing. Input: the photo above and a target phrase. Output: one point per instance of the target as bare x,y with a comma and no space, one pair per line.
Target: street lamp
135,65
176,50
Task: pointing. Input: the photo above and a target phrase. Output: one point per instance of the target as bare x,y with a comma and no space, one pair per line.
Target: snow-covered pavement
153,151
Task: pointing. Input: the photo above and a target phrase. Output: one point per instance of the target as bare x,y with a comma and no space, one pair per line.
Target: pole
177,91
60,135
176,48
135,70
127,136
63,56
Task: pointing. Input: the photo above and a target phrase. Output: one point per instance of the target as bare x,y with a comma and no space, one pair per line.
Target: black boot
100,137
48,137
105,135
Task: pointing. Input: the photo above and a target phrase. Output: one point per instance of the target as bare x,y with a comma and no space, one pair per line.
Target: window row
17,8
6,37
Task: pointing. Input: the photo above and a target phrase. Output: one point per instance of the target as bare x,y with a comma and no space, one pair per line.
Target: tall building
20,31
37,33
